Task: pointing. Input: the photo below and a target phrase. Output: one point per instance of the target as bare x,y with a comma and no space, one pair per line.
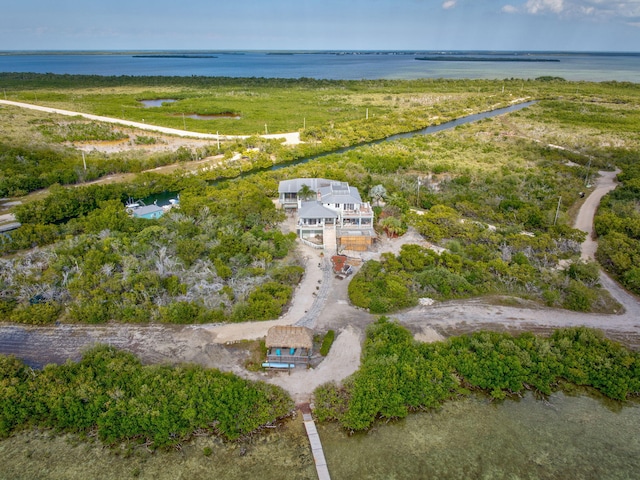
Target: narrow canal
399,136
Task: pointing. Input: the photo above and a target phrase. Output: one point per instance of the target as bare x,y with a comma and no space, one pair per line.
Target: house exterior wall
337,197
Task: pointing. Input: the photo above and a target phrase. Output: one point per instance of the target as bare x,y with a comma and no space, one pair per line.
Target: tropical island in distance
493,58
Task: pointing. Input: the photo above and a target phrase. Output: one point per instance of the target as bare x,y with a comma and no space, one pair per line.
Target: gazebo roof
289,336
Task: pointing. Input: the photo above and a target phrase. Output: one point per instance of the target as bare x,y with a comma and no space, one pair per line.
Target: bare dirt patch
215,345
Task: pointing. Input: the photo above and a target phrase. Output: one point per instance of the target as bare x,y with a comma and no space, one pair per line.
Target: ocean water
577,66
563,438
572,438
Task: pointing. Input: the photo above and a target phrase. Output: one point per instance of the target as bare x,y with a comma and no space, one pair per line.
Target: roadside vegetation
618,227
110,395
498,196
399,375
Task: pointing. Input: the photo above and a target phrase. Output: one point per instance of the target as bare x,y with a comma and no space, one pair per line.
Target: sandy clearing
343,360
292,138
205,344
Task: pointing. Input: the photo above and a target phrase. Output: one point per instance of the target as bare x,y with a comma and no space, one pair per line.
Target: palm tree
305,192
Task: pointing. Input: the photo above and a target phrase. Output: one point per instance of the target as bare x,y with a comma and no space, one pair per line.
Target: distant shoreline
333,65
173,56
454,58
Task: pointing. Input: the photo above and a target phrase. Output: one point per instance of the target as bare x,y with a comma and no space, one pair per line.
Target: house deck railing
311,244
288,358
363,212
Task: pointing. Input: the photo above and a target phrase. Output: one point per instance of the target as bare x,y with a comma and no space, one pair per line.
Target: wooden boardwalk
316,447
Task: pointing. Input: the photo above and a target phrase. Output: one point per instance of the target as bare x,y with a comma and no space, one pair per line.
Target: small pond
215,116
158,102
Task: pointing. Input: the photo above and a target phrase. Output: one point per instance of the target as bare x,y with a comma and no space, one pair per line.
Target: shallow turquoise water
566,437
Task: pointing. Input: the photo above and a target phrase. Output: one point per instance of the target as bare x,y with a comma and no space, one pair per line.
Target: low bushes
111,393
398,374
327,341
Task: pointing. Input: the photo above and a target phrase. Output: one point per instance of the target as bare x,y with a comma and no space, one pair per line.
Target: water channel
399,136
576,437
162,197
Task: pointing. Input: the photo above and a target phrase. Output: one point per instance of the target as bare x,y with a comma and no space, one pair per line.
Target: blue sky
590,25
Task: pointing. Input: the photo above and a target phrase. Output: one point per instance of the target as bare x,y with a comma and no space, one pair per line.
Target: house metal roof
294,185
340,192
315,210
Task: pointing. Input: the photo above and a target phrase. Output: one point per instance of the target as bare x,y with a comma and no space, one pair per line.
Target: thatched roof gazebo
288,345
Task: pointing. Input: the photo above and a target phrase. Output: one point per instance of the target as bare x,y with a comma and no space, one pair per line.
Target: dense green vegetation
498,195
109,393
398,374
397,282
618,227
217,258
327,342
283,104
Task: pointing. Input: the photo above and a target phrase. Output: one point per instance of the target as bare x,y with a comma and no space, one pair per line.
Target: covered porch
288,345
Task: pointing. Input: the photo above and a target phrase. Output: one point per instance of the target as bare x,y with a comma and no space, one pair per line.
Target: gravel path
322,294
457,317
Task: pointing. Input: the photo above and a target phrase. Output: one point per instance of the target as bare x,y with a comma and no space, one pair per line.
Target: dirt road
450,318
292,138
324,300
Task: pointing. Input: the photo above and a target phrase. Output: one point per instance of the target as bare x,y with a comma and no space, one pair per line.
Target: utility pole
84,162
419,183
266,132
557,210
586,178
218,137
184,122
367,115
304,123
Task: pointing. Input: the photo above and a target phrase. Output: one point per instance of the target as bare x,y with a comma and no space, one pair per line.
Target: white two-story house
332,217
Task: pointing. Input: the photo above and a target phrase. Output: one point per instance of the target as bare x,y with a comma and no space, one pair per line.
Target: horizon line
345,50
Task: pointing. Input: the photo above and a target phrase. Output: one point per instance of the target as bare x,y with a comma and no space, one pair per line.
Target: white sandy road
292,138
207,344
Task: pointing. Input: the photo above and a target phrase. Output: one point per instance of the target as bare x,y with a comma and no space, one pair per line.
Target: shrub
327,341
37,314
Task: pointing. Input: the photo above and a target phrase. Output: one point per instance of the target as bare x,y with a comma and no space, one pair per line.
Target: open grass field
245,106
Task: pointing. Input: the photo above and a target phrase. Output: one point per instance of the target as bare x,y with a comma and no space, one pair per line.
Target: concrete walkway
292,138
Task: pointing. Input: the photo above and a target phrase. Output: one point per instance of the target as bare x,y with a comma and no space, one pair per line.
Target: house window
337,205
349,206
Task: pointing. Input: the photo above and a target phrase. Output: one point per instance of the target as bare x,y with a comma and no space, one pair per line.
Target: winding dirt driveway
292,138
321,302
450,318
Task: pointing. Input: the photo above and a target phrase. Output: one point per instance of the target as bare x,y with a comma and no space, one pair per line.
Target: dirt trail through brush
321,302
